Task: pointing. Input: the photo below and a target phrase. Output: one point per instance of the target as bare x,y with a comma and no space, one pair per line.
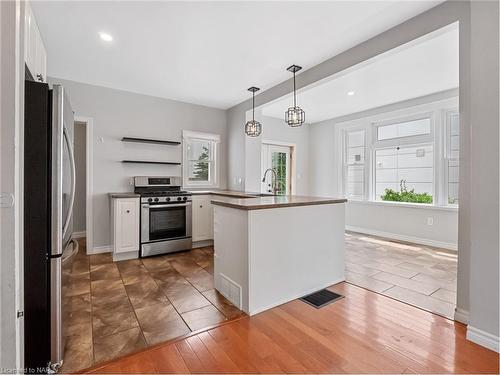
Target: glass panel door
276,158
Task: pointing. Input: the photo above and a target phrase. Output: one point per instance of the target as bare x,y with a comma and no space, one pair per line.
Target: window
453,142
401,170
200,166
404,129
412,159
355,164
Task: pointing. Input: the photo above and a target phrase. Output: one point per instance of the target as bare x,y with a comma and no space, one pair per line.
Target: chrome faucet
273,181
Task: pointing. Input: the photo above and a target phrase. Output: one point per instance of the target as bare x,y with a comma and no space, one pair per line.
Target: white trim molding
483,338
99,250
125,256
461,315
401,237
81,234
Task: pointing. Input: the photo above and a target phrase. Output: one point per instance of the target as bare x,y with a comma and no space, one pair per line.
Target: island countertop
260,203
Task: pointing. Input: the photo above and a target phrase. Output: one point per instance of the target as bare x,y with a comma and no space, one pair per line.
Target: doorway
83,149
79,211
279,159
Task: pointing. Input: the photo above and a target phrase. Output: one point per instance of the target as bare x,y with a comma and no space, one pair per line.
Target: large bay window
411,159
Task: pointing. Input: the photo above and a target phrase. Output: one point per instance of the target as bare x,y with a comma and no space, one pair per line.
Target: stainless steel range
165,215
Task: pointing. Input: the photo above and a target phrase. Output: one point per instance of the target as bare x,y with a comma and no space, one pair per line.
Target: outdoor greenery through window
405,174
200,158
279,165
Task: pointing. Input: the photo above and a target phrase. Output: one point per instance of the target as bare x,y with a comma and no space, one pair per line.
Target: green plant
200,172
405,195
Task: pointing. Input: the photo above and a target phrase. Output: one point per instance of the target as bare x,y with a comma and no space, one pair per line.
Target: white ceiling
425,66
205,52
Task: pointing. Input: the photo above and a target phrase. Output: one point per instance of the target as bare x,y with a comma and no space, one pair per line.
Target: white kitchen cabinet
125,214
35,54
203,224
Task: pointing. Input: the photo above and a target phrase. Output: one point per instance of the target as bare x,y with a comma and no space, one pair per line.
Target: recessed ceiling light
106,37
350,93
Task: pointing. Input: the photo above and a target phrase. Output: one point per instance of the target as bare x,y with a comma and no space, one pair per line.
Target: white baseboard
400,237
204,243
483,338
79,234
125,256
461,316
99,250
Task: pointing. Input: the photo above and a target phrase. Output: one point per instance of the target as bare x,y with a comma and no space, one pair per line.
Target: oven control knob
185,198
167,199
179,198
150,200
157,200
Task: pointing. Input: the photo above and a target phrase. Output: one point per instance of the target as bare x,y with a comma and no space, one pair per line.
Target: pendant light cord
253,106
294,92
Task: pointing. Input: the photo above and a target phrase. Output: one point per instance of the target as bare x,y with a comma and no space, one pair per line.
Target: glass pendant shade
253,128
294,116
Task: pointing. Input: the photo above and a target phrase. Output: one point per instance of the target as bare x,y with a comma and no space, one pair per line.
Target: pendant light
294,116
253,128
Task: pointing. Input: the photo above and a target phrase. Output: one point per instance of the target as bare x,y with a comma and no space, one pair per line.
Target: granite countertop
124,195
259,203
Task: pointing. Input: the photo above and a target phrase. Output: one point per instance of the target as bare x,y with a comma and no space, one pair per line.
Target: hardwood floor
364,332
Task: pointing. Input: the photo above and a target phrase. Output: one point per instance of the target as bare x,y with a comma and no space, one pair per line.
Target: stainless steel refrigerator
49,192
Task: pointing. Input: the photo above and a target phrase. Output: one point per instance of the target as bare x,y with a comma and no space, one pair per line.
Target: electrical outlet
430,221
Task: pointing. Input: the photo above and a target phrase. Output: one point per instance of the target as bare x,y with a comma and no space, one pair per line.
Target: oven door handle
152,206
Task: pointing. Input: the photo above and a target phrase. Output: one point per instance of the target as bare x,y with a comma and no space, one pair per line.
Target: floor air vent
321,298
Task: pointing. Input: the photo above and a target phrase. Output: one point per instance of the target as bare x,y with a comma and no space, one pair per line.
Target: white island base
267,257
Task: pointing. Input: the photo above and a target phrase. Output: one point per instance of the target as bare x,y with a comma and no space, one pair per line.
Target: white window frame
345,165
438,137
373,196
446,152
401,141
188,136
414,140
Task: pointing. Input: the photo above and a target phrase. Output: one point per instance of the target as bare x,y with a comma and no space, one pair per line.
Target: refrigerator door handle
73,180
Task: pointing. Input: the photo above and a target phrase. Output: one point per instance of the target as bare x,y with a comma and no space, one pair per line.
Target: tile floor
116,308
418,275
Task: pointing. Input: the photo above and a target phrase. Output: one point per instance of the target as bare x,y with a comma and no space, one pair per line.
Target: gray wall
484,261
118,113
478,231
80,143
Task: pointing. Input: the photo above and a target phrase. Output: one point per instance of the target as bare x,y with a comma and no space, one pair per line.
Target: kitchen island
271,250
